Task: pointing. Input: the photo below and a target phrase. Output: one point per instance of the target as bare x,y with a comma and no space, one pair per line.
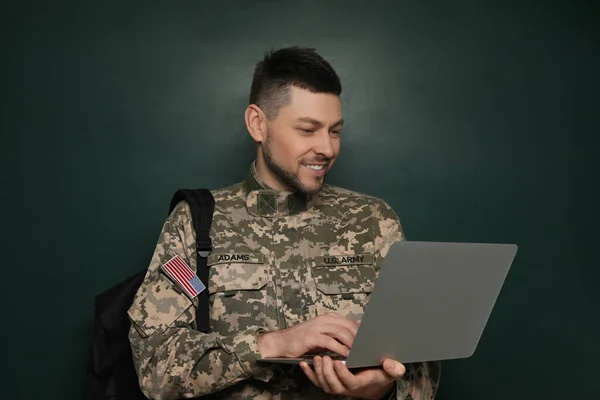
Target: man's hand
327,332
335,378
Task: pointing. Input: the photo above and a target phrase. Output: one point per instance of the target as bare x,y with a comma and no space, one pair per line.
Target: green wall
475,121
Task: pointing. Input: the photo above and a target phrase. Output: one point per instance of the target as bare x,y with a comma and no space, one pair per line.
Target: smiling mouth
315,167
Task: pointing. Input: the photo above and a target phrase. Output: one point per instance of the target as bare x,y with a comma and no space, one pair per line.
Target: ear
256,123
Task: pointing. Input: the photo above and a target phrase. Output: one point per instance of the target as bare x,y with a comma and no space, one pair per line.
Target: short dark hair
291,66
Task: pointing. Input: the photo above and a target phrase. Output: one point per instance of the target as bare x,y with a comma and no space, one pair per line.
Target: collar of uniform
264,201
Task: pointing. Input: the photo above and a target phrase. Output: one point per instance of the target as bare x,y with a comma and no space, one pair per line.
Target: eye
336,132
306,131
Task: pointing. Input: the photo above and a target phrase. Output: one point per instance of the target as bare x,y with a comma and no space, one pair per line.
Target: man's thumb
394,368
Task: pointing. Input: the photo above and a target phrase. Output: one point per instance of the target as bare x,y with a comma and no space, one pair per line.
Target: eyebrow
319,123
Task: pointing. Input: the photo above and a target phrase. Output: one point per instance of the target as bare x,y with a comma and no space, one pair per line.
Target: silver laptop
431,302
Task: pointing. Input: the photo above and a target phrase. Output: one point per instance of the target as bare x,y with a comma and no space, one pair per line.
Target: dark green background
476,121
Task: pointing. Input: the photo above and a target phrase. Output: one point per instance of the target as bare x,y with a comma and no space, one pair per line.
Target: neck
267,176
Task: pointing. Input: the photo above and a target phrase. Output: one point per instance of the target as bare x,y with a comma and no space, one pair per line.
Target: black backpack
110,371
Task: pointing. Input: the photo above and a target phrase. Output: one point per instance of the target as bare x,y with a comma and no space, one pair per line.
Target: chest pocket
237,291
343,284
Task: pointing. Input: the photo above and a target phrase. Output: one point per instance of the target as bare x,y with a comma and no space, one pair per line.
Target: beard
289,178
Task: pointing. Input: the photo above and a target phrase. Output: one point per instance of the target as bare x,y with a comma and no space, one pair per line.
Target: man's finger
367,377
318,364
339,332
308,371
329,343
394,369
347,323
349,380
331,377
350,324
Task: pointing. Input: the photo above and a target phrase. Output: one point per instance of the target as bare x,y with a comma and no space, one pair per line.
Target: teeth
315,167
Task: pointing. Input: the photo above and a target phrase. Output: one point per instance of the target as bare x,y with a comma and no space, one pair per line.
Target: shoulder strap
202,205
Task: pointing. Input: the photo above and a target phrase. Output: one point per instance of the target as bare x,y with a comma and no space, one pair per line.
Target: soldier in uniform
293,263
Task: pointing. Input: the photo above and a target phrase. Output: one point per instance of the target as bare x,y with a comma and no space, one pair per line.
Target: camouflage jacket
278,259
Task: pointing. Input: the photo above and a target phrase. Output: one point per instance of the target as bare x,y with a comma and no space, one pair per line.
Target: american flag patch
183,275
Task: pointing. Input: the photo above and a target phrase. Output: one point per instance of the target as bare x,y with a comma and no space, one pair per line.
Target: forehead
324,107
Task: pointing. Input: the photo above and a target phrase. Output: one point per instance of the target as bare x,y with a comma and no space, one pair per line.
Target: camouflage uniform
278,259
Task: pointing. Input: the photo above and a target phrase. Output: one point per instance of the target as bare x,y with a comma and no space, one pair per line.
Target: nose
324,145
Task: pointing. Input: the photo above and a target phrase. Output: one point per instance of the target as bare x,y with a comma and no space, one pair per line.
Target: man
272,291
